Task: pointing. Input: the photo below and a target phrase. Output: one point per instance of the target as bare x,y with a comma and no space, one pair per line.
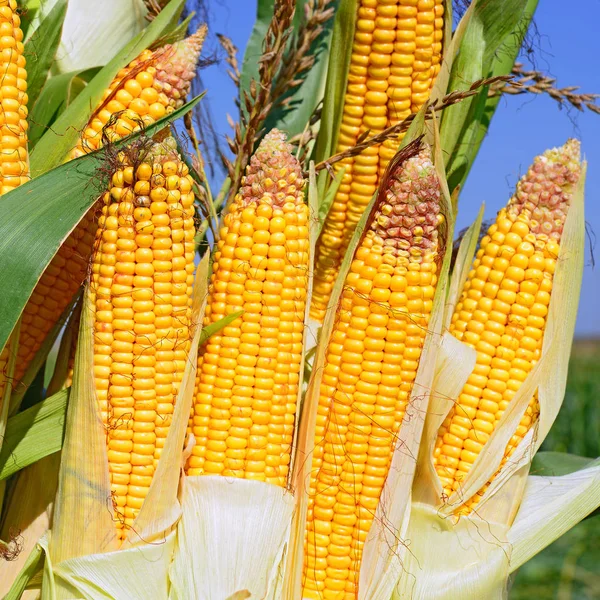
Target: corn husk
517,516
114,23
29,512
78,566
231,538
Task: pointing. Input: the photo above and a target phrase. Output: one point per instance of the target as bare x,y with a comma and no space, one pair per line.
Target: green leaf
217,326
30,568
303,100
54,98
56,143
502,64
337,75
492,23
53,204
329,197
558,463
33,434
301,103
40,49
253,52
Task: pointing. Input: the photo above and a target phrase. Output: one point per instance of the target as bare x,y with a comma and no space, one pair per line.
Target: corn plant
297,386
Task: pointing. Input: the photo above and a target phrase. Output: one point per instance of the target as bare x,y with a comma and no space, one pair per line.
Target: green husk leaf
550,507
329,197
495,26
502,64
28,512
62,197
56,143
217,326
557,464
34,563
254,47
33,434
303,100
490,22
464,260
56,95
8,377
337,76
41,47
67,341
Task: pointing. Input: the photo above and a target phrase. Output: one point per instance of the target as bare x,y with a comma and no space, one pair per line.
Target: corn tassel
152,85
248,374
502,313
396,56
142,279
371,364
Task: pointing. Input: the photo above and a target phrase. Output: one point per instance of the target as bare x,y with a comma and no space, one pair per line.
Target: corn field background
569,569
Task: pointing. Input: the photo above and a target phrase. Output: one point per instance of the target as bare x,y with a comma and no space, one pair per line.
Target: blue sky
524,126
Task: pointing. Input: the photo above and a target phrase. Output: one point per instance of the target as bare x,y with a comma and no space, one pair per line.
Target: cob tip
273,171
545,192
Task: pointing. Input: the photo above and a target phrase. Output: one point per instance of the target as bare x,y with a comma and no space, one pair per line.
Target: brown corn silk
141,288
248,373
14,159
396,56
151,86
371,364
502,313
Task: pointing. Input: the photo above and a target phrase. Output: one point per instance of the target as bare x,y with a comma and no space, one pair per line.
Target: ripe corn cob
371,364
396,56
142,279
13,95
502,312
151,86
248,374
14,159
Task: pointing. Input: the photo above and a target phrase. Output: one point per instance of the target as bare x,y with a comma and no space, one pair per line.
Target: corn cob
396,56
151,86
248,374
14,159
371,364
502,312
142,279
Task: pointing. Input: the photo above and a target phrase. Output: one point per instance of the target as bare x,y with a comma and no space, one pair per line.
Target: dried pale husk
231,538
453,561
517,516
28,514
91,565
